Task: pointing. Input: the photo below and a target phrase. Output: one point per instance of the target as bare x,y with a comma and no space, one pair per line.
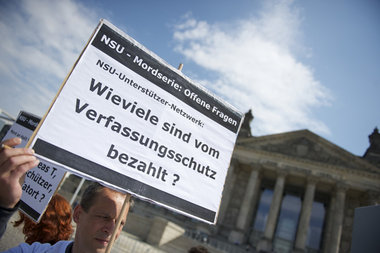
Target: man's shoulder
60,246
41,247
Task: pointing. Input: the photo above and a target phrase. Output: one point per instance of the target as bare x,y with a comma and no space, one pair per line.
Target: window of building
263,210
287,223
314,235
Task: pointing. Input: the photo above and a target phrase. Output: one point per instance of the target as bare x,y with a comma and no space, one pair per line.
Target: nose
109,226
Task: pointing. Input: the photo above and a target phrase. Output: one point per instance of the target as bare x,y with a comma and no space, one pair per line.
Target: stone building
287,192
296,192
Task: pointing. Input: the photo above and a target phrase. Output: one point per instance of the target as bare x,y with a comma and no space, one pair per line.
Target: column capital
255,165
258,171
233,165
341,187
234,162
282,174
373,197
312,180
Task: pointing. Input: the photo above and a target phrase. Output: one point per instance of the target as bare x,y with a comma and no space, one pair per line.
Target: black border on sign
102,173
29,210
26,123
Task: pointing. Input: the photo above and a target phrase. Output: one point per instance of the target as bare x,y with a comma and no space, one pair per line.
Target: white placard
40,182
126,118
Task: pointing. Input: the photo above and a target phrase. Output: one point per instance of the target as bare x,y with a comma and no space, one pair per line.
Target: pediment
306,145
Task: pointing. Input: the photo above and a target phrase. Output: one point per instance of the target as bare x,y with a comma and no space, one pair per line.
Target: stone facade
308,167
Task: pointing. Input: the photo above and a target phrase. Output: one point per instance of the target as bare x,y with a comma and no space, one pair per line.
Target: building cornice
332,173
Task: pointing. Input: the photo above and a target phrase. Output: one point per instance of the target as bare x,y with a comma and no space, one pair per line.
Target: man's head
198,249
96,217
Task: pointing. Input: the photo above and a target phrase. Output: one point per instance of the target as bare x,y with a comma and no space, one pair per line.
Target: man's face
95,227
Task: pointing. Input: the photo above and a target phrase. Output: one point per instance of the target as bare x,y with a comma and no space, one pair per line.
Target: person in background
198,249
55,224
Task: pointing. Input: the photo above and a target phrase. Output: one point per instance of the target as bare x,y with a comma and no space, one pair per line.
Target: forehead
107,199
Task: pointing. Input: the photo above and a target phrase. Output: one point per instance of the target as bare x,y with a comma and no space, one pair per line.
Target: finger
15,161
12,142
20,170
7,153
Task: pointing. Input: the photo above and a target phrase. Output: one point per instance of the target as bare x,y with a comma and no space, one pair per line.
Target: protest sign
126,118
40,182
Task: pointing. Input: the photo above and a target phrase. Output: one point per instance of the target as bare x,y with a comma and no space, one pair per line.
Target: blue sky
297,64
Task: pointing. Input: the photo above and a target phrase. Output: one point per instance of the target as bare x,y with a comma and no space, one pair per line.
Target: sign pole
118,222
180,67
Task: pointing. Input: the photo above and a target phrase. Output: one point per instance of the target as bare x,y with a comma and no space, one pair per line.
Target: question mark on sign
176,179
43,196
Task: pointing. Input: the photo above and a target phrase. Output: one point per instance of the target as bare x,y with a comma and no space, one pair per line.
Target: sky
296,64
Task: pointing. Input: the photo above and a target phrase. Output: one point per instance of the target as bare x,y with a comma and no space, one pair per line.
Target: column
328,228
265,243
336,229
245,213
303,224
373,198
226,195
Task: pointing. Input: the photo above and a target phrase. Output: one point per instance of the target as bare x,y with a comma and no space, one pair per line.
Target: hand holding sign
40,182
14,162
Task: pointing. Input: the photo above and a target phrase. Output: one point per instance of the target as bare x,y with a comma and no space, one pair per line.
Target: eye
103,217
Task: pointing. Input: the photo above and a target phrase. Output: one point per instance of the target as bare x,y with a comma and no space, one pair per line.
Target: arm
5,215
14,163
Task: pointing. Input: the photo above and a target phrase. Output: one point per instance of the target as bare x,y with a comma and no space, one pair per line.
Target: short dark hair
198,249
89,195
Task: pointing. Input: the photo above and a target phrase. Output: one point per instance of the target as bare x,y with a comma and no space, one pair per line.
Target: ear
77,213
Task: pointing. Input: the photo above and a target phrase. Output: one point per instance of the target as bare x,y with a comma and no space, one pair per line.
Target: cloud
256,65
39,48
